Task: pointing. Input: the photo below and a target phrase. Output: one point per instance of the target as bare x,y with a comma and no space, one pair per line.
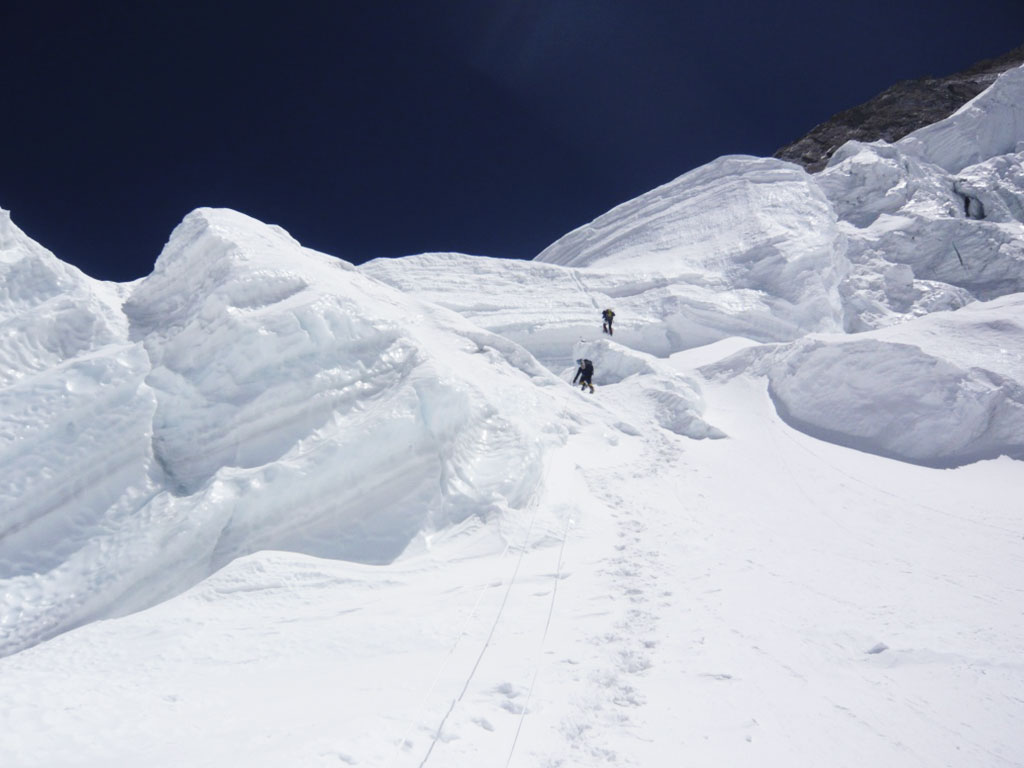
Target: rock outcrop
897,111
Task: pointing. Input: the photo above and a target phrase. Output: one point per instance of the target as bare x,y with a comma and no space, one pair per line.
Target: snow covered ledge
943,390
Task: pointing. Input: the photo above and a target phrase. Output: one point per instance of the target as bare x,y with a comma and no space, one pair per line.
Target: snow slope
743,246
766,599
990,125
265,508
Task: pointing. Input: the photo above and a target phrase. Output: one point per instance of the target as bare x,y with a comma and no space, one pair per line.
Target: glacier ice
253,394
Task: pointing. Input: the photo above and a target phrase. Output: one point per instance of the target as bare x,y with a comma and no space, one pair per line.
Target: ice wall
935,220
253,394
743,246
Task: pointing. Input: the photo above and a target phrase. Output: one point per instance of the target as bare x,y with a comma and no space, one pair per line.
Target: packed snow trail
718,599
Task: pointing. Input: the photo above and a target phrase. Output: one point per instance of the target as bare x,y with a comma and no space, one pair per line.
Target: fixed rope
543,640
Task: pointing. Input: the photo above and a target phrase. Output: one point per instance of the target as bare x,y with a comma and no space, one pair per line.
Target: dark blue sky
387,128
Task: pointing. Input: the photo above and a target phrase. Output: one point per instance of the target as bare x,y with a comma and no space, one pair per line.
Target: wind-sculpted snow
74,445
261,396
921,240
741,247
733,219
673,401
64,469
989,125
49,311
758,230
547,308
542,307
943,390
935,220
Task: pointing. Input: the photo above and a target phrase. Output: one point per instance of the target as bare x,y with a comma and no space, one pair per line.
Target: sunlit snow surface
260,396
357,516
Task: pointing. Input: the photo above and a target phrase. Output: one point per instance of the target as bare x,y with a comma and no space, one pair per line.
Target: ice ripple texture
251,394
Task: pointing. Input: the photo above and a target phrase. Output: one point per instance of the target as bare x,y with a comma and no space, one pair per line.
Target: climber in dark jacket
608,316
584,373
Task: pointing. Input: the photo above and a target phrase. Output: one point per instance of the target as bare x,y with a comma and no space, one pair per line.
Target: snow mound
943,390
613,362
261,396
674,401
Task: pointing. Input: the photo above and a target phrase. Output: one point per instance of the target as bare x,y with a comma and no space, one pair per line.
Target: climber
608,315
584,373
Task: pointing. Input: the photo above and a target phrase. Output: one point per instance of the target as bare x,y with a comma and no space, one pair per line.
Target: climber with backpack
584,373
607,315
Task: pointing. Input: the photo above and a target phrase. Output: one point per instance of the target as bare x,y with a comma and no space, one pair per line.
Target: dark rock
897,111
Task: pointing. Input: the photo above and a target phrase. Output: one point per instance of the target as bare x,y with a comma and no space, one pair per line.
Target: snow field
661,606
